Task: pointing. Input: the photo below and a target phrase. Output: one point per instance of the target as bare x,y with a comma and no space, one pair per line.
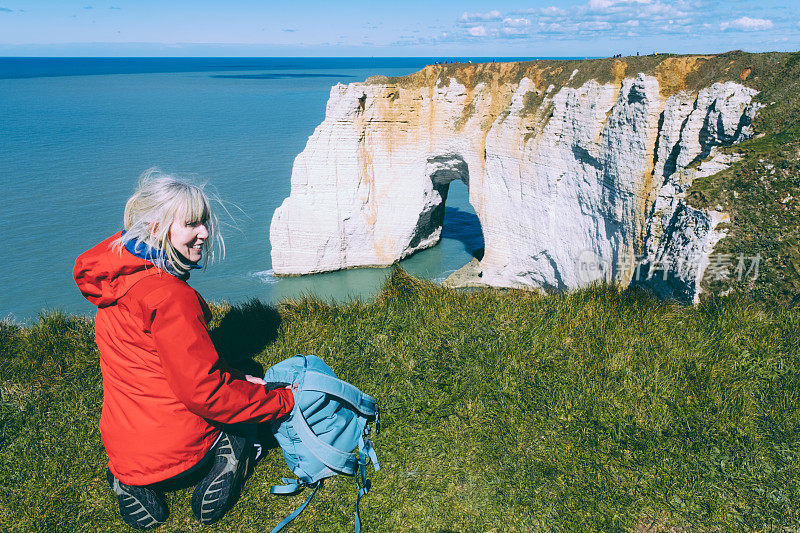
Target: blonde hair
159,200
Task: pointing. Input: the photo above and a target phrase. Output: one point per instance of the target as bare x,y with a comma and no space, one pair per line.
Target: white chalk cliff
573,183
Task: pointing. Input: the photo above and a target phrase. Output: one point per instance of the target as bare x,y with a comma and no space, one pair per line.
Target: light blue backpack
329,421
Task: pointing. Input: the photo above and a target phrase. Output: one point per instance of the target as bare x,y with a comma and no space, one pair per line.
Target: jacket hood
105,275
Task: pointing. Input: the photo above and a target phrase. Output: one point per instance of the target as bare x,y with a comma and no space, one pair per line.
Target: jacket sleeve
196,374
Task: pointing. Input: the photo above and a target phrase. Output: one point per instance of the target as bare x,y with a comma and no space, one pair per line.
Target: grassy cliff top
598,410
674,72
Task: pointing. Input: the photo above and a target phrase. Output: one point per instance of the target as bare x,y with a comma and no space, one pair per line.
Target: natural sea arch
450,222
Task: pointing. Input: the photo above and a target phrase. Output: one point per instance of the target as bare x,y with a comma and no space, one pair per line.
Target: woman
169,400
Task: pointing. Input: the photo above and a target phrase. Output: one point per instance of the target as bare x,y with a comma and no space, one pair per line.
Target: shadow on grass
244,332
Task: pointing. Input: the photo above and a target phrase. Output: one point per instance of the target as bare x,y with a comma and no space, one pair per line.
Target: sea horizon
55,66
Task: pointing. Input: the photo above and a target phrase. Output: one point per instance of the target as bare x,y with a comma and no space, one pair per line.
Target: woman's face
188,238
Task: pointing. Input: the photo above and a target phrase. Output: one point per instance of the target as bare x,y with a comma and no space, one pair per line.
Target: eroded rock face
681,238
582,185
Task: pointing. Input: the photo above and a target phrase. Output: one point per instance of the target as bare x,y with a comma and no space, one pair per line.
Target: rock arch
442,170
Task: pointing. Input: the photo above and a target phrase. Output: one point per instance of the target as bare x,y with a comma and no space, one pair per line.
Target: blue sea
75,133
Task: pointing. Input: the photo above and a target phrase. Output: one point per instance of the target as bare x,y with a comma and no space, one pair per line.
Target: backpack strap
365,454
291,487
320,382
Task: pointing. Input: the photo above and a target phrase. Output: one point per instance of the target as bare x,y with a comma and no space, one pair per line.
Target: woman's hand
253,379
259,381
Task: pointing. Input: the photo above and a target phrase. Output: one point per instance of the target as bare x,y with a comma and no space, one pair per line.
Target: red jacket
163,382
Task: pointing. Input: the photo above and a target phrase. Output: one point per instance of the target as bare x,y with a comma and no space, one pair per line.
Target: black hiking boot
140,507
219,489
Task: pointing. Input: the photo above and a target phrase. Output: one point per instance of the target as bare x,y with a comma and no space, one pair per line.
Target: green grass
597,410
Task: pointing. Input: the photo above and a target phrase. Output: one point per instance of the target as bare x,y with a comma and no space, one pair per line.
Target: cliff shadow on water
464,226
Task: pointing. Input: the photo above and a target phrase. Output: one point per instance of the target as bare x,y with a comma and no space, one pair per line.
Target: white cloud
595,25
593,19
477,31
474,17
656,9
515,27
747,24
516,23
552,11
514,32
550,27
603,5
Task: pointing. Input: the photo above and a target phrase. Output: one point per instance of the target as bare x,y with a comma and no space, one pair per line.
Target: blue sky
395,28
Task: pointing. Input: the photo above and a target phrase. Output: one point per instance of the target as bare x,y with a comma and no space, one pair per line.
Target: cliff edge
577,170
